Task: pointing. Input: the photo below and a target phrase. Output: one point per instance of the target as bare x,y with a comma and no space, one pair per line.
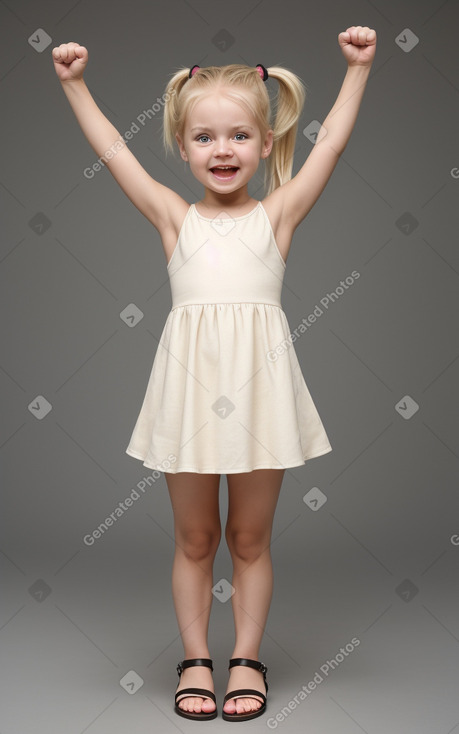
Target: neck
233,200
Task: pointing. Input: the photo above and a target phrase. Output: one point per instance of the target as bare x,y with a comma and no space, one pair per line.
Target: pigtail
171,107
290,102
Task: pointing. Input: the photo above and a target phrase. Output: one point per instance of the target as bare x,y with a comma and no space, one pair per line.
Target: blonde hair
184,92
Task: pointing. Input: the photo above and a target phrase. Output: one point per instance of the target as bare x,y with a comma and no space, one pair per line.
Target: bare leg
194,499
252,500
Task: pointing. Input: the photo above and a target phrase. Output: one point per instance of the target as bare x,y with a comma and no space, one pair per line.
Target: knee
199,545
245,545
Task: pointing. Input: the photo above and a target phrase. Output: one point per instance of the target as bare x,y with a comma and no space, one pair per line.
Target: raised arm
301,192
154,200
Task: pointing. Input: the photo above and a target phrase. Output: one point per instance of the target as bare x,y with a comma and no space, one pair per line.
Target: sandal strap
261,667
250,663
200,692
191,662
244,693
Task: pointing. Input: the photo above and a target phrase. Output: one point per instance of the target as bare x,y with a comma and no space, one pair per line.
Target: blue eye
200,137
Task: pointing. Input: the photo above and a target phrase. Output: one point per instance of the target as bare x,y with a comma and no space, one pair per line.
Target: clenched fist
70,60
358,44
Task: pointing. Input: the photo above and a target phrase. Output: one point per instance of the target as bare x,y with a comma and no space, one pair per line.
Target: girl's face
220,133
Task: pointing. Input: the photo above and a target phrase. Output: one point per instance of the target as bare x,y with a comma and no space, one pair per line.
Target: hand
358,44
70,60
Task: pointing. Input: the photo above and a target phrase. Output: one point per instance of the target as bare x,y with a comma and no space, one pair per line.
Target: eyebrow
234,127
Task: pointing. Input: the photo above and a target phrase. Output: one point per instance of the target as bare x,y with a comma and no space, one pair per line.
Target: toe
208,705
188,703
230,706
197,705
241,705
246,705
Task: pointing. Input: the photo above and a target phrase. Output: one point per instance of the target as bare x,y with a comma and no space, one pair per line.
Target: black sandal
196,692
246,692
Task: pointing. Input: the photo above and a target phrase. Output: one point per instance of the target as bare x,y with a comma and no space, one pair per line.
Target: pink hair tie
262,72
193,71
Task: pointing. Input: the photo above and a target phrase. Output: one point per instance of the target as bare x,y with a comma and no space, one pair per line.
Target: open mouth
224,172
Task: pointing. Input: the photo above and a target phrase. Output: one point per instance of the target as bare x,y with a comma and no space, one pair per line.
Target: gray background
379,559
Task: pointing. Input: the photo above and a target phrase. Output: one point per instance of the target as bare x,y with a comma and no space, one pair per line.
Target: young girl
226,394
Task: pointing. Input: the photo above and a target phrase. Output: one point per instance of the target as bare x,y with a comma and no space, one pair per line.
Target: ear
267,144
181,147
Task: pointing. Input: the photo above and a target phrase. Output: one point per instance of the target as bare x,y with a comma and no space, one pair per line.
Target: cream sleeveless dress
226,393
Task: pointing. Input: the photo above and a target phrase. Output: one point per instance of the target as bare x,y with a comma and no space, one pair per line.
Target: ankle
251,654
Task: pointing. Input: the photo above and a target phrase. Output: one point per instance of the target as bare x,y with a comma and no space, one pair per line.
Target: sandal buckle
263,669
180,669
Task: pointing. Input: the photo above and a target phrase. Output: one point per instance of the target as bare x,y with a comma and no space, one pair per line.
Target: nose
222,147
